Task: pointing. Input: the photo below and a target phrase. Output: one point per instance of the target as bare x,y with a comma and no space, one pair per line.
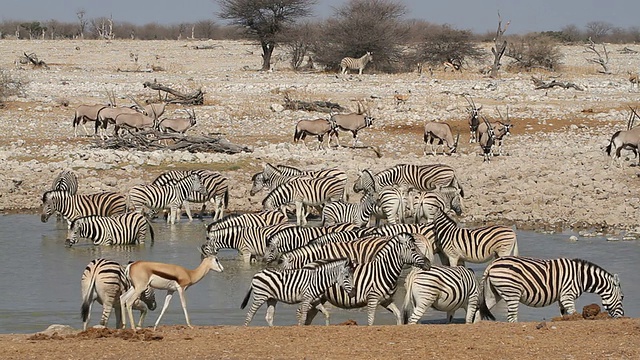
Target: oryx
440,133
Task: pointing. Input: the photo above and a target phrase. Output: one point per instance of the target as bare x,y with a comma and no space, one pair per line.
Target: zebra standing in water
443,288
358,64
358,214
541,282
216,185
158,197
418,177
103,281
294,286
249,241
457,245
72,207
306,191
65,181
376,281
124,229
256,219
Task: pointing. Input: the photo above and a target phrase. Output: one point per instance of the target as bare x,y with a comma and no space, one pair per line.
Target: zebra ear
616,280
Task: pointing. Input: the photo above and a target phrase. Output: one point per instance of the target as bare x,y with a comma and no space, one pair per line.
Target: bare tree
206,29
598,29
534,51
499,48
265,19
602,61
298,41
82,22
446,44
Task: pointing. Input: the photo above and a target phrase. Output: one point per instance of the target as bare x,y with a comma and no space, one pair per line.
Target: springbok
474,118
440,132
634,79
401,98
178,125
317,127
164,277
86,113
349,122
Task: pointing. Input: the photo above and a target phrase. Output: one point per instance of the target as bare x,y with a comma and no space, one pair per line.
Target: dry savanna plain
553,174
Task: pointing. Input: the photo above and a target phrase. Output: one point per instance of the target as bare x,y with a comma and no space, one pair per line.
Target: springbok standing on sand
164,277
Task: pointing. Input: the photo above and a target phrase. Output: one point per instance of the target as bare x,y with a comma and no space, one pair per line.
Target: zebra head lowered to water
123,229
542,282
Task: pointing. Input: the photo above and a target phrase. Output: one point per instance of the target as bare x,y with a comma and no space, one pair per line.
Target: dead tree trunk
194,98
499,48
604,62
267,50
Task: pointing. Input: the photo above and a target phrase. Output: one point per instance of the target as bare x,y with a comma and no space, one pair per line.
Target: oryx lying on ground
178,125
440,133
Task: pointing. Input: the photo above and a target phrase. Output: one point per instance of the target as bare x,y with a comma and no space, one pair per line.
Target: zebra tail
408,283
226,198
87,297
246,299
611,142
151,234
482,305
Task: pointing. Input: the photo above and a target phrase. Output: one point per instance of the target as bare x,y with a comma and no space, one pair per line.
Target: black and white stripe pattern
248,241
306,191
216,186
427,204
376,282
355,64
273,176
103,281
171,195
297,236
457,245
72,207
391,205
423,234
343,236
124,229
360,250
542,282
297,286
257,219
67,181
358,213
416,177
443,288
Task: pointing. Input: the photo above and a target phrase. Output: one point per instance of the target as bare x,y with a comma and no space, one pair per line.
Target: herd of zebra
345,261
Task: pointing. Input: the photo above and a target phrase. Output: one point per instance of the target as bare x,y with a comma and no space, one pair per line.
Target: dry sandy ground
584,339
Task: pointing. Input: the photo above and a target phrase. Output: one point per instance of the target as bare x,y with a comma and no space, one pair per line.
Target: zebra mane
325,263
46,194
587,263
253,178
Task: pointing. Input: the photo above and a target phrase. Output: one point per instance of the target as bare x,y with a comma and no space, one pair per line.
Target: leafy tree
265,19
34,28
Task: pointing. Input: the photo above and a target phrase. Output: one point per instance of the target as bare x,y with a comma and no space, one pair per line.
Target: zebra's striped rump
442,288
67,181
103,281
74,206
249,241
426,204
257,219
125,229
297,286
343,212
541,282
418,177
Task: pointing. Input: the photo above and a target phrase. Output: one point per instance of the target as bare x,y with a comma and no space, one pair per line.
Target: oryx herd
348,253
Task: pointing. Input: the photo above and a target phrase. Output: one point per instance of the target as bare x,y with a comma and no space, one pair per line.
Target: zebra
541,282
103,281
358,64
273,176
257,219
426,204
67,181
72,207
124,229
391,205
296,236
306,191
457,245
424,236
358,214
216,185
443,288
361,250
158,197
249,241
418,177
297,286
376,281
343,236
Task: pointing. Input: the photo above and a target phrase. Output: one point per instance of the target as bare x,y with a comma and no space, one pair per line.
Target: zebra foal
357,64
541,282
297,286
103,281
124,229
442,288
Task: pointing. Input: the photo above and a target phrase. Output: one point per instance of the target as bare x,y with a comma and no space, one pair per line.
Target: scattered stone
573,238
590,311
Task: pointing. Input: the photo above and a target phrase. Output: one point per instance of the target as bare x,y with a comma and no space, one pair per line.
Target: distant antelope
359,63
440,133
634,79
178,125
86,113
474,118
401,98
453,65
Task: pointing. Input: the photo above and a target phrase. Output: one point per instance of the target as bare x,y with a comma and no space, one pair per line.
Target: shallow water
40,280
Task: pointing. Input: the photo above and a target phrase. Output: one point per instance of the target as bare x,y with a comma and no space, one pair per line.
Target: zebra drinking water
355,64
103,281
124,229
443,288
297,286
541,282
249,241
